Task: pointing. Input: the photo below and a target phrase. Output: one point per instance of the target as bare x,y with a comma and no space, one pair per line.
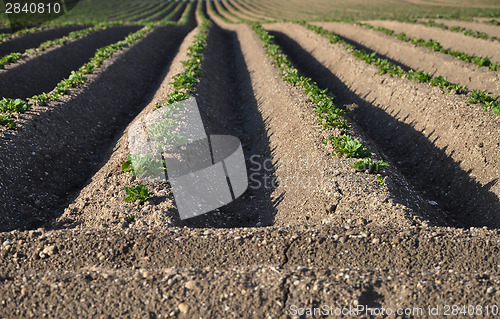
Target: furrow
59,148
42,73
448,39
444,159
418,58
20,44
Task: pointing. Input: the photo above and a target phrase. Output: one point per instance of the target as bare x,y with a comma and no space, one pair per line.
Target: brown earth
220,9
418,58
448,39
350,243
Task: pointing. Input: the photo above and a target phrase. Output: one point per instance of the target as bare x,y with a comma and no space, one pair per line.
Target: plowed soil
490,30
448,39
33,40
418,58
43,72
310,231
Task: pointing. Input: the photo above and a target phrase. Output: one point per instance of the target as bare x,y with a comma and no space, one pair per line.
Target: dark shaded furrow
33,40
61,147
178,14
228,107
435,174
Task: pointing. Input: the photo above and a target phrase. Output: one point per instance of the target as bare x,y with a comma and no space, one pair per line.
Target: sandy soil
56,148
33,40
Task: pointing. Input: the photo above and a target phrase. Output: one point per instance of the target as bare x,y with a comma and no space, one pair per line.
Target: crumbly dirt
461,159
448,39
418,58
242,272
245,12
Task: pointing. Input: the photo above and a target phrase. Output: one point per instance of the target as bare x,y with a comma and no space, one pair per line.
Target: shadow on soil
428,168
33,40
58,150
228,106
359,46
44,72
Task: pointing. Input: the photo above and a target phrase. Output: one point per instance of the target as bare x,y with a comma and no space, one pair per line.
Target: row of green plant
328,114
76,79
183,84
169,7
387,67
16,56
213,10
185,81
8,36
434,45
457,28
493,22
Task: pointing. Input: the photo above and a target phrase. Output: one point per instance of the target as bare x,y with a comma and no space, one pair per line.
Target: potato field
370,134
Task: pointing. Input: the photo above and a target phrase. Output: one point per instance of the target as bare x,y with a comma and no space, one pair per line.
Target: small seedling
6,120
139,192
380,180
349,147
13,105
143,165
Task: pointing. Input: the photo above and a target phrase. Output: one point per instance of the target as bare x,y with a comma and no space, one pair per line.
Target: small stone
490,290
49,250
183,307
191,284
375,241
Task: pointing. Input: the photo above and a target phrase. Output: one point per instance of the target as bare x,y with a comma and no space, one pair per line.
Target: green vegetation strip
327,113
16,56
8,36
434,45
183,83
76,79
386,67
159,13
456,28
